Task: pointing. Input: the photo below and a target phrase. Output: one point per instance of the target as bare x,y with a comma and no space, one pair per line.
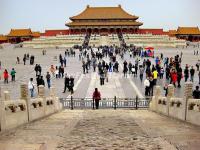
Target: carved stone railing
186,109
14,113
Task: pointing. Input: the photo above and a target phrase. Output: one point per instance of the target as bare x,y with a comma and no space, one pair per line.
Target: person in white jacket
31,87
147,85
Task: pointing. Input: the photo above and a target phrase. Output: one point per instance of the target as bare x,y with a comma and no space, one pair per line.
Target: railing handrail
105,102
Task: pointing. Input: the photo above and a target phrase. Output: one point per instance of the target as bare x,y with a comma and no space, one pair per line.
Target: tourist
57,72
12,73
130,67
48,78
18,60
125,70
192,71
147,86
41,81
31,87
174,77
65,61
179,76
161,73
151,80
196,93
71,84
96,97
24,59
102,76
66,83
32,58
52,70
166,89
155,76
84,67
186,73
6,76
0,65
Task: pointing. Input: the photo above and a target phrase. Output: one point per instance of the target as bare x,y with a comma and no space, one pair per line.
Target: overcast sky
52,14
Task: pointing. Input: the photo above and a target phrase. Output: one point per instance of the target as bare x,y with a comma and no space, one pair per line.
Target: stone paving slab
106,129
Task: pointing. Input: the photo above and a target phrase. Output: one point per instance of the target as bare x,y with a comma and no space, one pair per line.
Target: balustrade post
93,103
136,107
115,102
72,105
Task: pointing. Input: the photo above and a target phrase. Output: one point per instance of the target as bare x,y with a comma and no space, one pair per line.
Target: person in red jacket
97,97
174,77
5,76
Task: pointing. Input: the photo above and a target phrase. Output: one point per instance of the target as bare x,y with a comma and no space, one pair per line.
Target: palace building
103,20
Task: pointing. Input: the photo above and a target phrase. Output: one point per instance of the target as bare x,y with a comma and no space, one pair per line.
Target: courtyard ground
104,130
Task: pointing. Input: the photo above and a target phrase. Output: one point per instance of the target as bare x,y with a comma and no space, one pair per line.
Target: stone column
187,95
52,92
6,95
41,93
24,91
25,96
154,101
169,96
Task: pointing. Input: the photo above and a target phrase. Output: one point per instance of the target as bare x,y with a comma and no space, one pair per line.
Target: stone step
10,146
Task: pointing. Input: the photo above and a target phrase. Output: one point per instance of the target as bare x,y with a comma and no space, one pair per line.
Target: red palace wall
152,31
55,32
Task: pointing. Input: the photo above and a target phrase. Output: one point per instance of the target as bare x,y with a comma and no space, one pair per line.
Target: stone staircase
86,40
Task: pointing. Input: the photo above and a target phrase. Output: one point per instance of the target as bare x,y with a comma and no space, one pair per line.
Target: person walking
96,97
192,71
155,76
66,83
174,77
147,86
31,87
196,93
48,78
12,73
141,73
71,84
6,76
186,73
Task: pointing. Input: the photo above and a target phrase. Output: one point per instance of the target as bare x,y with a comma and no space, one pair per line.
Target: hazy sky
52,14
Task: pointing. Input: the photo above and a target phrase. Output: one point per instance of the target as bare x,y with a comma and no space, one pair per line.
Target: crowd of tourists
107,59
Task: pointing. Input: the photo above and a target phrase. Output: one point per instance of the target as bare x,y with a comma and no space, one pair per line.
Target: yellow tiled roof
188,30
20,32
104,13
172,32
3,38
119,23
36,34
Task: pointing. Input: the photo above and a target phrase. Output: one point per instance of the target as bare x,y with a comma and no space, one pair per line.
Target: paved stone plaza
104,129
84,84
96,129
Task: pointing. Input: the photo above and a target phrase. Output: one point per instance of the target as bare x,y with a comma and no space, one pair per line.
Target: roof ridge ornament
88,6
120,6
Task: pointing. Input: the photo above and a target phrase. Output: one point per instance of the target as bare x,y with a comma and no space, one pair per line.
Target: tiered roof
172,32
104,13
3,38
188,31
20,33
113,23
36,34
104,16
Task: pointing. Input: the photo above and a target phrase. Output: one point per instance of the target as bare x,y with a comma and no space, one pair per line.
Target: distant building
188,33
36,34
19,35
103,20
152,31
3,39
55,32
